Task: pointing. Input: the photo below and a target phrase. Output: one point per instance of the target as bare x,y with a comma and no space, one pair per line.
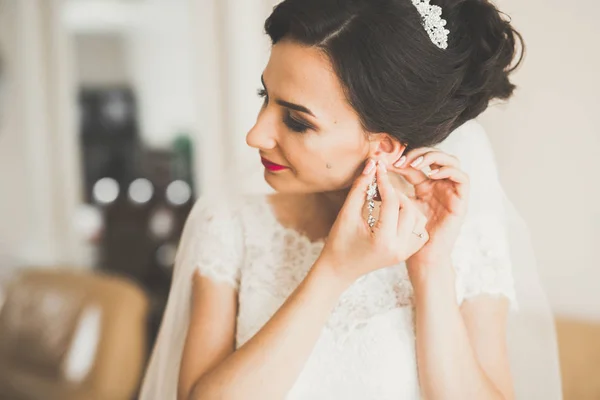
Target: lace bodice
366,350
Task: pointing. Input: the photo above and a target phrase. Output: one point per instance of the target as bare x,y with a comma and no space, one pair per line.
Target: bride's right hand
353,248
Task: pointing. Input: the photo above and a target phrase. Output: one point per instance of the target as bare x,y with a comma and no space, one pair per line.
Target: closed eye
295,124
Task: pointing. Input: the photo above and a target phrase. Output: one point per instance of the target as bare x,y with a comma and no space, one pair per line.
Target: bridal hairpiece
433,22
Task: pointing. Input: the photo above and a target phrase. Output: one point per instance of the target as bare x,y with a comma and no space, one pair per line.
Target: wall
547,141
159,53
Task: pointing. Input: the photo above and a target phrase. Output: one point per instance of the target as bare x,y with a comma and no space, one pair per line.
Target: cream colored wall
547,141
159,56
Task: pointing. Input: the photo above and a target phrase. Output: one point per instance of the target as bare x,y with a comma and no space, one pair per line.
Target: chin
290,185
284,183
276,181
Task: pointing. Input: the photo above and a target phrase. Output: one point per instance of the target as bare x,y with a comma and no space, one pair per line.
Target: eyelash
288,120
263,93
294,124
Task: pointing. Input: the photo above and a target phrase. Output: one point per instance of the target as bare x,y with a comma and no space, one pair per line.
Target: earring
371,192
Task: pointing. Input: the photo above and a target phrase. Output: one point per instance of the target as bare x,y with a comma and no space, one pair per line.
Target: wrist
436,276
329,272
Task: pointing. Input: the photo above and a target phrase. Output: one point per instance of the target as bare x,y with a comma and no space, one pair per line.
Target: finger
411,156
356,197
436,160
413,176
417,234
388,213
406,216
453,174
420,228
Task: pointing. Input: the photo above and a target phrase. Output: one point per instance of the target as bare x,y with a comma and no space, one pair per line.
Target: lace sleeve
212,241
481,255
482,261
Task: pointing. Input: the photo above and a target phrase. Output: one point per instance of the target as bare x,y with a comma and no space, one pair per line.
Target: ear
385,147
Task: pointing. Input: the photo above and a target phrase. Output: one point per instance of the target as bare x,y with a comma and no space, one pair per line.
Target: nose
262,136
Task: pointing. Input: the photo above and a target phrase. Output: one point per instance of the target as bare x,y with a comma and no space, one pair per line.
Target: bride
389,264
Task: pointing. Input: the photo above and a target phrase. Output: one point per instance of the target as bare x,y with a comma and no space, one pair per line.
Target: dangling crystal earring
371,192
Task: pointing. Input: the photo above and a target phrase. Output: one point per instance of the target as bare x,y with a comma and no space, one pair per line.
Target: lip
271,166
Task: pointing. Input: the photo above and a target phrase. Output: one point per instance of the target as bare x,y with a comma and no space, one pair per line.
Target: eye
295,124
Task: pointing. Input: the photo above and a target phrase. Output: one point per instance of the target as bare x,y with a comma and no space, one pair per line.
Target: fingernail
369,167
382,164
400,162
435,171
417,162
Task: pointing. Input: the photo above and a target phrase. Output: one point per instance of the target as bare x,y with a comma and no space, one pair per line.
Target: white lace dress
367,348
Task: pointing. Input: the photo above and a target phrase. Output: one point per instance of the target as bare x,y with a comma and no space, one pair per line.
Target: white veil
532,344
162,374
531,334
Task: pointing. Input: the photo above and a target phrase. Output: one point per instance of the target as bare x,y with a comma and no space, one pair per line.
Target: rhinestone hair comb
431,18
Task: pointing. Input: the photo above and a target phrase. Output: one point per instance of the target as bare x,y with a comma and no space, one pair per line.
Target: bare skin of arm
461,351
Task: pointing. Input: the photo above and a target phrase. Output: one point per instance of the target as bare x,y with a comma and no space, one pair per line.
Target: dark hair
395,78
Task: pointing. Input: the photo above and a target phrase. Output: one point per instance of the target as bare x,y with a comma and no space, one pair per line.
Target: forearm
268,364
448,367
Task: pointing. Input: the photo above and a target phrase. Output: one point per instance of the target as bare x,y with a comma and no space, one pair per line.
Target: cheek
343,157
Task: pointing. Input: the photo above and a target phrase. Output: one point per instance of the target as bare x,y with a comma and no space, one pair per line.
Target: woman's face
306,126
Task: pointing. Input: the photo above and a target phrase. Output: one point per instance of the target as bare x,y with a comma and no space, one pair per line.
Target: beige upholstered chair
71,336
579,345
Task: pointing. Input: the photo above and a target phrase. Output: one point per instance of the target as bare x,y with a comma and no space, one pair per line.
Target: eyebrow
287,104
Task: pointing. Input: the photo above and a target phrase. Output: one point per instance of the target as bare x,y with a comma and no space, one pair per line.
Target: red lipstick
271,166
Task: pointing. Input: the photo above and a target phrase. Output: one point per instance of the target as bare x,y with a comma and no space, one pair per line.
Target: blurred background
115,115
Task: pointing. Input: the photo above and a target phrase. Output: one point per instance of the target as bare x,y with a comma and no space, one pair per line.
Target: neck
332,202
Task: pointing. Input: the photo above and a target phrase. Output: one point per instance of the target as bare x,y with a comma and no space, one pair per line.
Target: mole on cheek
328,166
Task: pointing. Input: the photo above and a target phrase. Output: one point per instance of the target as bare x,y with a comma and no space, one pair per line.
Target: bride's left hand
442,197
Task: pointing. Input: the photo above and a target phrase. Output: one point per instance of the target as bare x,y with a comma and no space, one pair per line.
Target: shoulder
223,208
214,237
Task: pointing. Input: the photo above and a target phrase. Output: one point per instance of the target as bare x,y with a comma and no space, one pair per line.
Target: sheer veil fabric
532,340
